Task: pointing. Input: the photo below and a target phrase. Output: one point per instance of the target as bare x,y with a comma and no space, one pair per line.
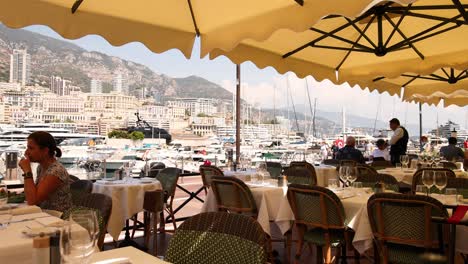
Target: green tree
136,135
202,115
118,134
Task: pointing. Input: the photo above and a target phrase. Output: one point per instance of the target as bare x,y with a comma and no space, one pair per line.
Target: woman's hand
25,164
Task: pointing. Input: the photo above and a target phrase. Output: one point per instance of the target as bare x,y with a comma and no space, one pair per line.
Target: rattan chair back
274,168
301,172
168,178
381,164
218,237
316,207
369,180
402,223
208,172
233,195
417,177
332,162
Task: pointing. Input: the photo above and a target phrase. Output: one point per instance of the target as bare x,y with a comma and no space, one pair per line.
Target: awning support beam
197,30
76,5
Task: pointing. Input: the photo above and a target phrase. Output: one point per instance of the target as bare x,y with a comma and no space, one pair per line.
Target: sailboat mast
344,124
312,113
376,115
294,109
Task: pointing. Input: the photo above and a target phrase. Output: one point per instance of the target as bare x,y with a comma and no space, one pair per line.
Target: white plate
33,232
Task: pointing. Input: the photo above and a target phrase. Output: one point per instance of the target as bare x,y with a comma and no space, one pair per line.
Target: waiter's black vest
399,148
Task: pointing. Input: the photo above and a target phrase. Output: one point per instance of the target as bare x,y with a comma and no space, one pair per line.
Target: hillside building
20,67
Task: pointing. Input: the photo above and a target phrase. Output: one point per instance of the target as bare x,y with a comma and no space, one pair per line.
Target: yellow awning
170,24
349,56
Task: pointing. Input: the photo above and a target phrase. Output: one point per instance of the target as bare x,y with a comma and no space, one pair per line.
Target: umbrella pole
420,127
238,113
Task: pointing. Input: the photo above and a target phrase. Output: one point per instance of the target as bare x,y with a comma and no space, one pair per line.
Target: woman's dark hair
46,140
380,142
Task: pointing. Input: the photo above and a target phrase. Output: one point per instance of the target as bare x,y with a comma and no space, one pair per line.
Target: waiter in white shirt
398,142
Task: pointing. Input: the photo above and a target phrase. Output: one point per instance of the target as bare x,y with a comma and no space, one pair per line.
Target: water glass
357,185
421,189
5,217
78,237
332,183
398,166
451,196
3,194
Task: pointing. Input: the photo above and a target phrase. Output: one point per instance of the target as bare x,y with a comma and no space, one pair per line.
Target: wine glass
404,159
352,175
343,173
428,179
440,180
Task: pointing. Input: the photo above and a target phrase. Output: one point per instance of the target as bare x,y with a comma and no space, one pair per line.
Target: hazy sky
260,85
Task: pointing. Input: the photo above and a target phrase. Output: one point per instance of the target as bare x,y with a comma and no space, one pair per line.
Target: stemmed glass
343,173
404,159
440,180
352,175
78,236
428,180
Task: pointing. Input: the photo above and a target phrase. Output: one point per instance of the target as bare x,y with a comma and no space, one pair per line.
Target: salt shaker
55,257
41,250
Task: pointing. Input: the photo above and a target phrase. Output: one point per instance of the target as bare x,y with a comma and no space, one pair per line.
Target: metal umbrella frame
387,40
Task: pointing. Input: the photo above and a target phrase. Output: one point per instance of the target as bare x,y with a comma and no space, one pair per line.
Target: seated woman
52,187
381,152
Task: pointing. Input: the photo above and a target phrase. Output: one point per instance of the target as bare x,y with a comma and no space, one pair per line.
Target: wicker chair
301,173
365,170
461,184
323,226
348,163
218,237
369,180
153,204
332,162
99,202
73,178
381,164
80,188
232,195
417,177
168,178
402,226
274,168
208,172
449,165
155,168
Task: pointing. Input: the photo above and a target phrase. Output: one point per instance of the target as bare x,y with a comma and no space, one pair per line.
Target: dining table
322,171
405,175
15,243
127,200
124,255
273,207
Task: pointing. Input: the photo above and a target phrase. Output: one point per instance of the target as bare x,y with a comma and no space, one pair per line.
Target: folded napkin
458,215
49,221
27,217
29,209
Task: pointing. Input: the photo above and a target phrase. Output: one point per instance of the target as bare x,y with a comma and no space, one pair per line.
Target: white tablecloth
406,175
124,255
272,205
16,248
127,200
324,173
358,220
